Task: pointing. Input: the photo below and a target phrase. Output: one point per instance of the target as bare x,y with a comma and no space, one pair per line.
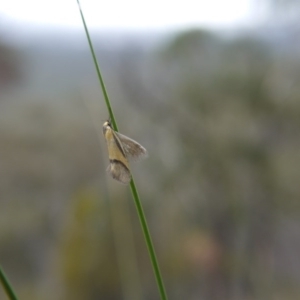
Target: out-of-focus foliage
86,250
220,118
10,66
236,142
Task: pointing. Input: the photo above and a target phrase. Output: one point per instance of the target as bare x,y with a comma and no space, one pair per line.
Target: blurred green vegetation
220,118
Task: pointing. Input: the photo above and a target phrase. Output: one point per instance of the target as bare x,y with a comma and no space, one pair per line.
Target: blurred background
211,90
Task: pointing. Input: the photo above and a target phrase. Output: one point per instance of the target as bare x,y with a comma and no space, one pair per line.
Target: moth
121,149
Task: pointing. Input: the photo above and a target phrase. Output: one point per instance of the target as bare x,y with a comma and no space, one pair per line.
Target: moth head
106,126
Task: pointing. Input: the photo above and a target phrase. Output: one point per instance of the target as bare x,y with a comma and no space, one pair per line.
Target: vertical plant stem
148,239
134,192
7,286
113,121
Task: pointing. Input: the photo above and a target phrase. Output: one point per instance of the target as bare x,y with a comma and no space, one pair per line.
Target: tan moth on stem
121,149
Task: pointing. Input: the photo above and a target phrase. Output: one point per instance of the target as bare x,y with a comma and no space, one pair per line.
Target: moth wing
119,172
133,150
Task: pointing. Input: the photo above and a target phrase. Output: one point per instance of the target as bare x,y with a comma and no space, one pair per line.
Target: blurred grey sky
134,14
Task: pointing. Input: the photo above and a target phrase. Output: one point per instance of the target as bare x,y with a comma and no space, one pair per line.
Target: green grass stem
107,102
7,286
134,191
148,239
